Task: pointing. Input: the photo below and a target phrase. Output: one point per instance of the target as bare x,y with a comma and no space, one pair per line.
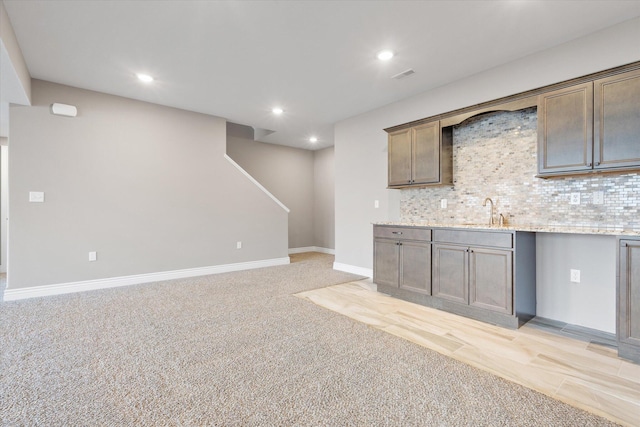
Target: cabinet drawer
406,233
474,238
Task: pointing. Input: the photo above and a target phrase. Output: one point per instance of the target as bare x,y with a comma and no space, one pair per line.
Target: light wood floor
582,374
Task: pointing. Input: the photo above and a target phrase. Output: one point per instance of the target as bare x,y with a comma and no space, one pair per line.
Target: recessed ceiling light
144,78
277,111
385,55
313,139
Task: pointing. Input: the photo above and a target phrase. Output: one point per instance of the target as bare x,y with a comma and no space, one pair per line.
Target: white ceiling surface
315,59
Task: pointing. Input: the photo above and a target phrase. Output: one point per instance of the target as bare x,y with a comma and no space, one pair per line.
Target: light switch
93,256
376,204
443,203
36,196
574,199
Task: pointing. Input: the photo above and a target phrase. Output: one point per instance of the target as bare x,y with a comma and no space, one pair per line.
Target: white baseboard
114,282
360,271
312,249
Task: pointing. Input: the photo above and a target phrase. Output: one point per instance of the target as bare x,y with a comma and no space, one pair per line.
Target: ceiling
315,59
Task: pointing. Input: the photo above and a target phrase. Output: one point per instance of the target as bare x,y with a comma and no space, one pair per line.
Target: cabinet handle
597,163
396,232
589,164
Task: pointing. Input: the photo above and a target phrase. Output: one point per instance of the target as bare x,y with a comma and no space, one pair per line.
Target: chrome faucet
491,211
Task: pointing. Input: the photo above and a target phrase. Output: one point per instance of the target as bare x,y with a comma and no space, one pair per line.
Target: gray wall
361,143
288,173
145,186
324,198
590,303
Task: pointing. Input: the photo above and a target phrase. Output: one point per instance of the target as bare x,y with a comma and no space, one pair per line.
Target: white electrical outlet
598,198
376,204
443,203
93,256
575,199
239,245
575,275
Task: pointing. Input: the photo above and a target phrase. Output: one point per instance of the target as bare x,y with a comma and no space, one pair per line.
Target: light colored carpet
239,349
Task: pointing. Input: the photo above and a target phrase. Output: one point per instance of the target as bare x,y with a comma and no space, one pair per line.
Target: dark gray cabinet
491,279
473,275
400,158
420,155
565,129
483,274
402,258
415,266
451,272
629,300
590,127
617,121
386,262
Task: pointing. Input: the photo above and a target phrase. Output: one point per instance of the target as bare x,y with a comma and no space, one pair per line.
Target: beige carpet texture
239,349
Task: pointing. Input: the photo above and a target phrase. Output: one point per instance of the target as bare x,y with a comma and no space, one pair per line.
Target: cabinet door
450,273
426,153
415,270
617,120
565,129
491,279
629,300
386,262
400,157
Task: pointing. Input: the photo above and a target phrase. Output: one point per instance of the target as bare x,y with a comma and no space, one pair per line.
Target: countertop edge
513,227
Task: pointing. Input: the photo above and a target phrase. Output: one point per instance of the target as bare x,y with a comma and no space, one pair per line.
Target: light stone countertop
551,228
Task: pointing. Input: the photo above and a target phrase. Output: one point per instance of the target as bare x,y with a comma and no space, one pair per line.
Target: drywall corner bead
64,110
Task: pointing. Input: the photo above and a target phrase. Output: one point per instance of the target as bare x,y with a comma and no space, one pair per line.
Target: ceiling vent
402,75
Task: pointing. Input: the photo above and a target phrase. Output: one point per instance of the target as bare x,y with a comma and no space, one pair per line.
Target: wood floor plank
630,371
582,395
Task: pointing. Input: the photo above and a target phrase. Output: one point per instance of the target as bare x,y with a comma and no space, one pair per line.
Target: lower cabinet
451,272
476,276
402,263
491,279
415,266
629,300
386,262
483,274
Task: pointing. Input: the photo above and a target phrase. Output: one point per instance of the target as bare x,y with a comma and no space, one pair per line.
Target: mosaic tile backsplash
495,155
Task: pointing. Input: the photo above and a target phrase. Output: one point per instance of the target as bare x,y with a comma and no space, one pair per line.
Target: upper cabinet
616,121
565,129
593,126
420,155
590,124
